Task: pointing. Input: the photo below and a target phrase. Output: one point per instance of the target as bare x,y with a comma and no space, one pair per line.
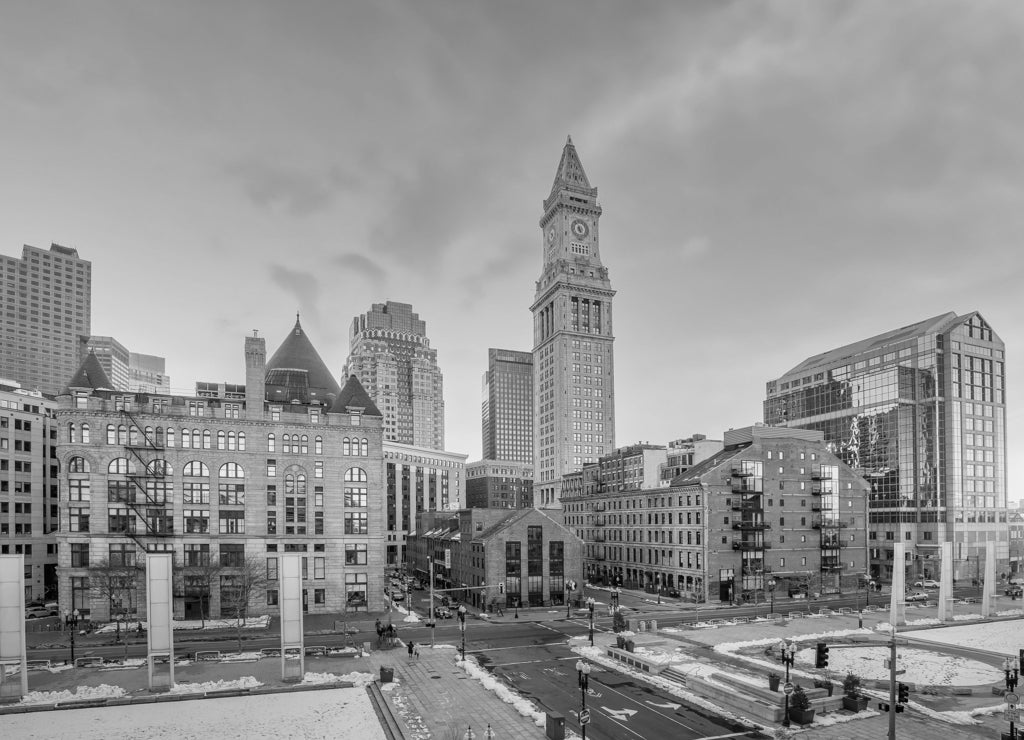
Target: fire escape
747,484
148,495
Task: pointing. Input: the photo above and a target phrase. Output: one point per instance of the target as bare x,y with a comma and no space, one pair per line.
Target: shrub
618,622
799,701
851,685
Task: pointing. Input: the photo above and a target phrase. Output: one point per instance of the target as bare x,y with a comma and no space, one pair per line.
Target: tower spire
570,174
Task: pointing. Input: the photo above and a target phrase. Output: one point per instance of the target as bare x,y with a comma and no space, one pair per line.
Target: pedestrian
416,652
411,647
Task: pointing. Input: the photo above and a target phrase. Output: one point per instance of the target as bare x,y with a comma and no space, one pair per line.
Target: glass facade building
507,406
920,412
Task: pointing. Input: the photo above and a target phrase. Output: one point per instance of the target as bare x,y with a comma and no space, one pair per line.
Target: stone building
226,484
499,484
488,556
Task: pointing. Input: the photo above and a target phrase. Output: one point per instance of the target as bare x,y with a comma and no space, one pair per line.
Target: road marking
670,717
665,706
620,714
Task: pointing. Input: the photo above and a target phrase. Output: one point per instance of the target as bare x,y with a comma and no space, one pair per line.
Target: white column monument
12,627
898,604
160,615
988,594
293,652
946,583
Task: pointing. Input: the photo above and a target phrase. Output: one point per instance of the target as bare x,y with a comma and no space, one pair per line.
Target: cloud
304,287
363,266
298,191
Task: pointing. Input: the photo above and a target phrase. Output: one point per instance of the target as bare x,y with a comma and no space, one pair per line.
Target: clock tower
573,362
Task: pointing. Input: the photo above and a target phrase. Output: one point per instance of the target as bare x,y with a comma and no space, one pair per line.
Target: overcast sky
778,179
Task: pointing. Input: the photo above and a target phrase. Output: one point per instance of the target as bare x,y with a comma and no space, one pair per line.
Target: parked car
673,593
37,612
1014,591
927,583
916,596
398,595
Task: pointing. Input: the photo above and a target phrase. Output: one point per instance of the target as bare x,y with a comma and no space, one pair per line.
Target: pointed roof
353,395
570,174
297,353
90,375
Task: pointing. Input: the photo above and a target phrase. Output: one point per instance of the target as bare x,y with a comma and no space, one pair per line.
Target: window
197,521
271,468
271,597
272,569
232,556
271,443
319,595
232,522
355,589
271,522
355,554
318,446
197,555
356,522
318,469
319,567
79,554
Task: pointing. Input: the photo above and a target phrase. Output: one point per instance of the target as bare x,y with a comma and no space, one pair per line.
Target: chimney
255,376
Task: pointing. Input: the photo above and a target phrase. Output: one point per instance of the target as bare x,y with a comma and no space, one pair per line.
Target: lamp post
657,582
517,606
788,652
71,621
583,678
590,608
867,592
1012,668
771,590
462,628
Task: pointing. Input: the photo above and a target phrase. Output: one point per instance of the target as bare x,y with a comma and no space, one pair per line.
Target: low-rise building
499,484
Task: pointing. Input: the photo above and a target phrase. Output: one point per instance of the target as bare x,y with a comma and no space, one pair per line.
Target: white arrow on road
620,714
665,706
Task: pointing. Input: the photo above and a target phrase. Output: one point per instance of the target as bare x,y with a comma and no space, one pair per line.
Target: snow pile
355,678
103,691
247,682
503,692
922,666
240,657
731,647
191,624
996,637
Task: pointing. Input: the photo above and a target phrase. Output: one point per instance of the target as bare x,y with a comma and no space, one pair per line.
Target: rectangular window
319,567
355,554
319,595
232,556
356,522
271,569
79,554
232,522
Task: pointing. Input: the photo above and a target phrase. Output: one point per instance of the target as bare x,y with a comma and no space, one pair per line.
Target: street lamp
462,627
71,621
788,652
590,608
583,678
771,590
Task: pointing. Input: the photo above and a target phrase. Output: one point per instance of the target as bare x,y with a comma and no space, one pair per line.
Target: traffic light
904,693
821,656
501,588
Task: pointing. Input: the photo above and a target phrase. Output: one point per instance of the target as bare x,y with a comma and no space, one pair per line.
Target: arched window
221,440
159,467
305,445
71,433
207,439
286,443
111,434
364,448
170,437
78,465
186,438
241,441
196,444
231,470
300,484
232,441
149,436
133,436
355,489
346,446
271,443
355,475
196,469
120,466
85,434
122,434
318,446
159,438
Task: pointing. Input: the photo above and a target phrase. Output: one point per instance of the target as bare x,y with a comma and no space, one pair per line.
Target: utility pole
433,617
892,685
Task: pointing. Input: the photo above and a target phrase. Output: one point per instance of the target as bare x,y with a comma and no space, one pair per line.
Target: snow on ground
247,682
995,637
524,706
191,624
922,666
293,716
103,691
356,678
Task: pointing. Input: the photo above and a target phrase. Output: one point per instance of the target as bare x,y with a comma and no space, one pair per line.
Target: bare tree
200,580
239,585
118,584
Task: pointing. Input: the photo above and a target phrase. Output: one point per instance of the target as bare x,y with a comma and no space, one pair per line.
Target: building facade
391,355
128,371
507,407
920,412
494,557
225,484
684,453
573,359
46,299
29,487
418,479
499,484
773,507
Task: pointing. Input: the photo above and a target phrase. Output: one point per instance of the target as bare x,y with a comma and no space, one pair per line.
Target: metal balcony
748,545
599,506
751,526
818,475
748,485
821,522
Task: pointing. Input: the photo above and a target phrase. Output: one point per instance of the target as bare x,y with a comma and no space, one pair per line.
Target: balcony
599,537
747,545
833,544
819,475
748,485
599,521
741,473
751,526
826,522
599,506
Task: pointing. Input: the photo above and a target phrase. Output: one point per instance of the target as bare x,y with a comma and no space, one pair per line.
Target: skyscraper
573,364
920,412
390,354
46,300
128,371
508,406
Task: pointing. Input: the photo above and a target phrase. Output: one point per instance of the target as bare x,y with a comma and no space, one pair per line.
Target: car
927,583
673,593
1014,592
443,612
38,612
398,596
916,596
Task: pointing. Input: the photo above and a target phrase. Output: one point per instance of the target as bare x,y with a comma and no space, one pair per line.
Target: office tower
920,412
390,354
46,299
499,484
573,366
147,373
508,406
128,371
221,482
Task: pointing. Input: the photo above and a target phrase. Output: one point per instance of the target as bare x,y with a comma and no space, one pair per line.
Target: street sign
787,688
1012,715
585,717
1011,698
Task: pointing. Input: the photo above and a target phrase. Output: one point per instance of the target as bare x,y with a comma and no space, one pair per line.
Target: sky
777,178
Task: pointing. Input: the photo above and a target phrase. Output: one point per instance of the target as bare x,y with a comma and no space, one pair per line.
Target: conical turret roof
570,174
90,374
353,395
297,365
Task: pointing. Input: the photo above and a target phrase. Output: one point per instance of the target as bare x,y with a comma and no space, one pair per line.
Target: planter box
855,703
801,717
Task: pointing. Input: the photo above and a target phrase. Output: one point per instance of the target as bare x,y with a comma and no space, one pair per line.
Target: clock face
579,229
551,235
